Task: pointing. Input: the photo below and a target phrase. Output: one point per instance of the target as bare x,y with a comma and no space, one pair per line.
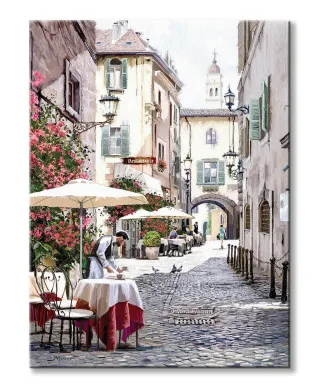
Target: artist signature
55,358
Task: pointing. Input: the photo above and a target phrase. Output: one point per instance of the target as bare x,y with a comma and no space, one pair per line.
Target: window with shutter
105,140
254,125
247,217
199,172
115,141
264,217
210,172
72,91
125,140
264,126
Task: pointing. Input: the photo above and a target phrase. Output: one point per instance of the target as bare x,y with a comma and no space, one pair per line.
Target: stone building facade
64,51
264,139
147,120
205,137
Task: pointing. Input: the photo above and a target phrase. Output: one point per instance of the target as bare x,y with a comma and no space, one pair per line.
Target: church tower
214,85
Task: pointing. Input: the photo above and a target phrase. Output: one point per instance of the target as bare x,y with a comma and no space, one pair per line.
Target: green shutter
124,73
105,140
199,172
221,172
254,113
108,73
125,140
177,164
264,107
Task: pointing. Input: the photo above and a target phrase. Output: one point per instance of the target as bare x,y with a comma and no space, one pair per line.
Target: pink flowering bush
57,156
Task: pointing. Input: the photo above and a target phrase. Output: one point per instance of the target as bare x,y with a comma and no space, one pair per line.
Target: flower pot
152,253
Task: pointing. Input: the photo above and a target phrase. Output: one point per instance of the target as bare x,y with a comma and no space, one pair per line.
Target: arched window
247,224
264,217
216,92
211,92
211,136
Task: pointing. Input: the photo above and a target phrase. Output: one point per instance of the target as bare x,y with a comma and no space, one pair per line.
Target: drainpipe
190,190
170,155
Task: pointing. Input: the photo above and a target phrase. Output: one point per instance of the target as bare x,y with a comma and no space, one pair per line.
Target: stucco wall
267,160
131,110
201,150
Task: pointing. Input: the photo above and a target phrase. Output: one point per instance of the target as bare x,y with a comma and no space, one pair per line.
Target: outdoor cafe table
117,303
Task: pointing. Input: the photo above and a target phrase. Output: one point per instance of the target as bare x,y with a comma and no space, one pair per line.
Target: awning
150,185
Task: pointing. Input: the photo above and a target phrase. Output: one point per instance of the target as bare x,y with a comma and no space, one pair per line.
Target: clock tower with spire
214,85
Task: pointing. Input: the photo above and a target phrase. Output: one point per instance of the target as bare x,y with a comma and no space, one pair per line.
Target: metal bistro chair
174,250
64,309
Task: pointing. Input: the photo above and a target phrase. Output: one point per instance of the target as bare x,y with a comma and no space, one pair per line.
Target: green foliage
152,239
180,232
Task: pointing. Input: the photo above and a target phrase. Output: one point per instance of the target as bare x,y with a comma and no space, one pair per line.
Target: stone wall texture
52,43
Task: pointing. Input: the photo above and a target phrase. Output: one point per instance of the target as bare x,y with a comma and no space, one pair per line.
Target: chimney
115,32
123,26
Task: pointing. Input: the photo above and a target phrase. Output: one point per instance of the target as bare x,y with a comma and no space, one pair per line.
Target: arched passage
227,205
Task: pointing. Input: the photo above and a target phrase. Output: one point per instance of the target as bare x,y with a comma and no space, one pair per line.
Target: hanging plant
162,165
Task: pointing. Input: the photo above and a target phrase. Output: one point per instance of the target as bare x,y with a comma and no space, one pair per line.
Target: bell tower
214,85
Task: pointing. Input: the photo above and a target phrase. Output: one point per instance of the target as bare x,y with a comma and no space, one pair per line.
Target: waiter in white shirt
103,253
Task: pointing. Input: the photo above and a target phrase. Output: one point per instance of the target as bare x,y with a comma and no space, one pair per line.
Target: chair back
51,284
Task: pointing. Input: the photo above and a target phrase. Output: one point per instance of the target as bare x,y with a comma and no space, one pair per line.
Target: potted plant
152,242
162,165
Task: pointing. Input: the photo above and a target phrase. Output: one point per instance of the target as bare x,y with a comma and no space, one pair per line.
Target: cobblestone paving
249,329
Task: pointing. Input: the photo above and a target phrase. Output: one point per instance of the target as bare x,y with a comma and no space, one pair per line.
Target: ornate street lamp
229,98
109,107
187,168
231,155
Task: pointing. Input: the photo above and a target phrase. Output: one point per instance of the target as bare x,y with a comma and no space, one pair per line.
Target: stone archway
226,204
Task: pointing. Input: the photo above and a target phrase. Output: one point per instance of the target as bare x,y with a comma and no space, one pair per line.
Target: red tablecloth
39,313
122,316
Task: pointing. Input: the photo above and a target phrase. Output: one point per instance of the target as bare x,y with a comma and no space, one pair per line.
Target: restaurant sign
139,160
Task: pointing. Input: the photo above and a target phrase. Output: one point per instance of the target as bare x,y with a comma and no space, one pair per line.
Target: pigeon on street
174,269
155,270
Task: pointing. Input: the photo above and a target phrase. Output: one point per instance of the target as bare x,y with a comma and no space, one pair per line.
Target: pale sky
190,43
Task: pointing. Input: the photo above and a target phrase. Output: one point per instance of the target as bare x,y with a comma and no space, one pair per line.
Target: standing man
103,253
222,233
196,228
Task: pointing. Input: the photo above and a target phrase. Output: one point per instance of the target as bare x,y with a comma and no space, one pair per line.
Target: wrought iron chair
174,250
64,309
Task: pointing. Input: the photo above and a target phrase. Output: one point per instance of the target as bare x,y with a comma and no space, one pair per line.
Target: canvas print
159,193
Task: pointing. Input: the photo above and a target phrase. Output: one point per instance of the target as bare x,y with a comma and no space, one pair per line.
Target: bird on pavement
155,270
179,269
174,269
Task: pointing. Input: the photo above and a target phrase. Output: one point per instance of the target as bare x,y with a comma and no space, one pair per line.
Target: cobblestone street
247,330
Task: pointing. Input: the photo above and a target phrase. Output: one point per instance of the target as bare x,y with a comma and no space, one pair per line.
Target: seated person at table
173,233
103,253
189,232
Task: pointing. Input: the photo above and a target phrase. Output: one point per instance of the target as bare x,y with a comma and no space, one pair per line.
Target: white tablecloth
50,287
101,294
177,241
164,241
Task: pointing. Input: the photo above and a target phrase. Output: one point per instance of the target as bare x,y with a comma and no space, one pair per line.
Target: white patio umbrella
82,193
169,212
141,213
